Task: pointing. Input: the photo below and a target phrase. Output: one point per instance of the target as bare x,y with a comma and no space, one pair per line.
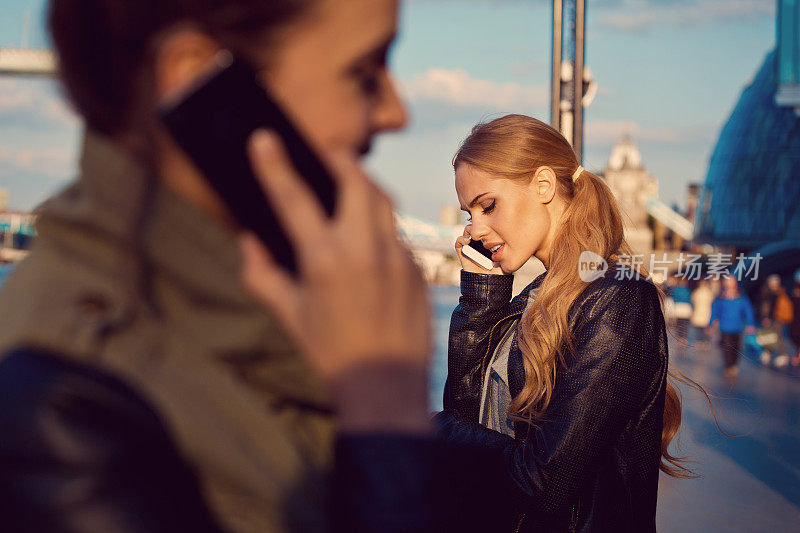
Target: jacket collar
520,301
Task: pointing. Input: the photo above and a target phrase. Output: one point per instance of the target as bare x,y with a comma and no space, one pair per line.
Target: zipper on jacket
483,374
574,515
519,524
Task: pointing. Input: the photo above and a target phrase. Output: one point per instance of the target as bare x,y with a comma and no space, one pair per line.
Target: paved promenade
750,482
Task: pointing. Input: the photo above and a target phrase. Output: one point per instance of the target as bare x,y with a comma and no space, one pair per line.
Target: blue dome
752,189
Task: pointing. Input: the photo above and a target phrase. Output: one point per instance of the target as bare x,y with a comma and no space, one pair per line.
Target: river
444,300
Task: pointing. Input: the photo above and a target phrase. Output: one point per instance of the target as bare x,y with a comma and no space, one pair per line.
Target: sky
668,71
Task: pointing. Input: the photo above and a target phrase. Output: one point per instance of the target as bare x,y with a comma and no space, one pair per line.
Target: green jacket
144,286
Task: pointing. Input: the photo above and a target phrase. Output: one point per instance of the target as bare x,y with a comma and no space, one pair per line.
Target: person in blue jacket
733,314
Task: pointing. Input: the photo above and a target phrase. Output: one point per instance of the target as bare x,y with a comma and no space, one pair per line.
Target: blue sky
669,73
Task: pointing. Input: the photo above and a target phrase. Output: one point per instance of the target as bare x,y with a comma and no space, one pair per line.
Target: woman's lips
498,254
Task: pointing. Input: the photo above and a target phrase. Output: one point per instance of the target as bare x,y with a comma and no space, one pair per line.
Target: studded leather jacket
592,463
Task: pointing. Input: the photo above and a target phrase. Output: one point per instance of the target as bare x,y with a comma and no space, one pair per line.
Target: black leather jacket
592,464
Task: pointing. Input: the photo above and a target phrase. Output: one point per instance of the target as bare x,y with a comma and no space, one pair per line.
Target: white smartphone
477,253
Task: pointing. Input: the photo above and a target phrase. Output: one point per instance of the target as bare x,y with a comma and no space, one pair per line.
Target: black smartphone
478,253
212,121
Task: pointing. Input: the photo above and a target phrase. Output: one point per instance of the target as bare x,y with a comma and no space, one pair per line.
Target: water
444,299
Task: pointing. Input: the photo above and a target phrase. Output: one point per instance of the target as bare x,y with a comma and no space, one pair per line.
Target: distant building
17,234
752,188
788,55
633,186
751,197
692,199
450,215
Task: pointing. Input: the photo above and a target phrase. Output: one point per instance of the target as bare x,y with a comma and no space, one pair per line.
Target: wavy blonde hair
513,147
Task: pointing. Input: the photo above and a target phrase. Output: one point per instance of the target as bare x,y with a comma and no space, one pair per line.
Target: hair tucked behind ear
513,147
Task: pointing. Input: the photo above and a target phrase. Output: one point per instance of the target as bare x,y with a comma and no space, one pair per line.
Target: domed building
633,186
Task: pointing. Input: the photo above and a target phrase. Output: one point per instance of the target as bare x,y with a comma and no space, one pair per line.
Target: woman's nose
479,231
390,113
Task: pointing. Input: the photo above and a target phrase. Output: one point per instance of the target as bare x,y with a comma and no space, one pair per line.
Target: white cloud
33,104
639,16
456,86
54,162
12,95
58,109
607,132
604,132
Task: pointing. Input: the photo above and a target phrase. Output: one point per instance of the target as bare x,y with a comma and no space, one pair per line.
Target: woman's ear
544,183
181,56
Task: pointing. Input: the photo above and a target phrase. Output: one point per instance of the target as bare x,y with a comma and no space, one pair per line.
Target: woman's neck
179,175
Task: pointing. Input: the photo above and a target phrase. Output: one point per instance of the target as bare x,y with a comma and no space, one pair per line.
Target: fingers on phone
270,284
463,241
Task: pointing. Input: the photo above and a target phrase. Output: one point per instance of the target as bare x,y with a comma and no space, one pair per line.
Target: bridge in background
27,62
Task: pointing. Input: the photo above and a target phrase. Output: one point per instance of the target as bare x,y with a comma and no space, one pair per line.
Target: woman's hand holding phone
358,308
467,264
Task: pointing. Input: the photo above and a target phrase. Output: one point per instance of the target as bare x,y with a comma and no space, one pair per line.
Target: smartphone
212,121
478,253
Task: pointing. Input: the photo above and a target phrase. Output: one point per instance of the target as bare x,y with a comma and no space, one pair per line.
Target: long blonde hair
513,147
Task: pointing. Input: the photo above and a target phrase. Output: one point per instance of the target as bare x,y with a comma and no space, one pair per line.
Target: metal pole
577,77
555,81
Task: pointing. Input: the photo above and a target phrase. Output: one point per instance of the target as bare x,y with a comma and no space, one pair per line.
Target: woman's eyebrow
378,53
472,203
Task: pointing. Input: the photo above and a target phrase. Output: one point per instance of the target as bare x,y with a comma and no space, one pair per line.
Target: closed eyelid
484,210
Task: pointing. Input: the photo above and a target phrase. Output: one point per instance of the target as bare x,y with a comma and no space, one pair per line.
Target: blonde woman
567,383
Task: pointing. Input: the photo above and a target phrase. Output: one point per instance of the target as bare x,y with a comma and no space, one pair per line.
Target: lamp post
572,85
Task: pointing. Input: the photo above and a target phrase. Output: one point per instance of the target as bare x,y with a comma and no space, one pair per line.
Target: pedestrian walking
732,313
794,327
682,298
702,298
775,310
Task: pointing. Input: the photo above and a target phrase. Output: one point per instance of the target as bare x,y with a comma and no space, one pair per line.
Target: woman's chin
510,266
506,270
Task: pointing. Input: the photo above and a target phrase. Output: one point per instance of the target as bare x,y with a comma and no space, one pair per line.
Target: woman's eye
368,80
369,84
488,209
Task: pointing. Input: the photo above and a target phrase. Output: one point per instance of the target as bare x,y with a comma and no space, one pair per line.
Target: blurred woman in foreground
142,387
